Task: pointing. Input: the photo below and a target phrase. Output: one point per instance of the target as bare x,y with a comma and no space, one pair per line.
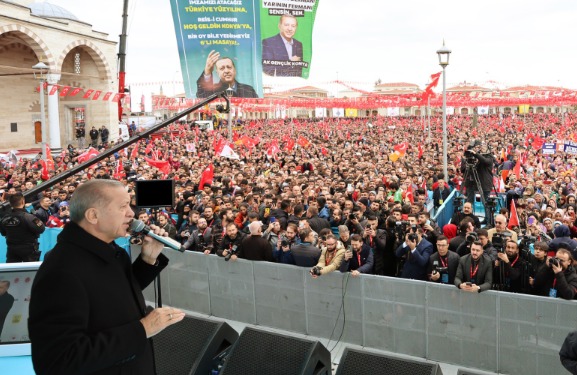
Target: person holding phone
358,257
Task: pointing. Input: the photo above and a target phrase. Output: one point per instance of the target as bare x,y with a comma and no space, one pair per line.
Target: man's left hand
152,248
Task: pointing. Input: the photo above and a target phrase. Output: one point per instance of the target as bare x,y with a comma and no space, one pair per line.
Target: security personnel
21,230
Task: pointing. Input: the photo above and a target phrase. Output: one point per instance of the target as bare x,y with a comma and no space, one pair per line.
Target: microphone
138,226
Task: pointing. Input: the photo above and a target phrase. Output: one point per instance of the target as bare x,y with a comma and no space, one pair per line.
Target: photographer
355,221
331,257
488,247
511,271
465,247
201,238
443,264
482,161
536,261
557,278
231,242
375,238
287,240
415,252
358,258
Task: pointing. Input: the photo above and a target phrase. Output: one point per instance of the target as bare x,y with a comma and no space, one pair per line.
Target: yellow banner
351,112
524,108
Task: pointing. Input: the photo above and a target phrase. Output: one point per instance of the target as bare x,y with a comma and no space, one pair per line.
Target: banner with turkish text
286,33
219,47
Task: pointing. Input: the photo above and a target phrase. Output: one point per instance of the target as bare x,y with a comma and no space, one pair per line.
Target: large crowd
351,195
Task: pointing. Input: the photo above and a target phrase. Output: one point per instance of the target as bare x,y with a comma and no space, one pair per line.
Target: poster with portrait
219,45
286,30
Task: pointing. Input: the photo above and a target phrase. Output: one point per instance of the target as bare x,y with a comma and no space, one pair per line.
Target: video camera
471,237
499,240
231,252
316,270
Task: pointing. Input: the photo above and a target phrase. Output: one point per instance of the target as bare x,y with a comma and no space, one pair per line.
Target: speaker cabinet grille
188,347
356,362
259,352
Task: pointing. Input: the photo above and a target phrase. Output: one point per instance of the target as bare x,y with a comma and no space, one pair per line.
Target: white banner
450,110
338,112
483,110
320,112
393,111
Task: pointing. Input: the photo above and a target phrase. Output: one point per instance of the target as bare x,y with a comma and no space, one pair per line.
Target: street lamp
444,53
40,71
230,93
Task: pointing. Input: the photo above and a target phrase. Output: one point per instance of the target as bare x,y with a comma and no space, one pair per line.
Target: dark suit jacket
438,195
85,308
452,264
484,277
415,262
273,49
206,89
352,264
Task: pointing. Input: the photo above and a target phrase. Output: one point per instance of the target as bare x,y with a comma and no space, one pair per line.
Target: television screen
15,286
154,193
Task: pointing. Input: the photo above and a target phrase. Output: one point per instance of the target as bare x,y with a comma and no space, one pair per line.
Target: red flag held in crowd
420,147
409,194
44,174
87,155
517,169
134,152
513,219
207,176
290,145
303,142
162,165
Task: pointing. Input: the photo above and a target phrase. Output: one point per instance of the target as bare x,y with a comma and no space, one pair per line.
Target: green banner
219,46
287,29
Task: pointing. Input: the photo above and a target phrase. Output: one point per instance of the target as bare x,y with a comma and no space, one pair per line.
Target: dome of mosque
44,9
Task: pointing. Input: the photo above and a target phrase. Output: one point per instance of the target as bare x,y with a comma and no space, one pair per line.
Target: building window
77,63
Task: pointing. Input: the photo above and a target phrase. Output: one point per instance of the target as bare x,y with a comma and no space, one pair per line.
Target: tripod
471,171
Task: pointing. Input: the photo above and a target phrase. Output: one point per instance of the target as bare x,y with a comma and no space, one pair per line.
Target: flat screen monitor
154,193
15,287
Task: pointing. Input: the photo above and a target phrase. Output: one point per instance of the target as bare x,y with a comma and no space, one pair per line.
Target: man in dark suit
415,253
475,272
440,194
284,50
87,311
226,71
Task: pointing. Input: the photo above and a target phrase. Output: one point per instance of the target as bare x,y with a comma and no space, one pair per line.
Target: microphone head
435,263
136,226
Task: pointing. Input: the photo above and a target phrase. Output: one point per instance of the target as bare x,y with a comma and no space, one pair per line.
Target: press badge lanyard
444,263
472,272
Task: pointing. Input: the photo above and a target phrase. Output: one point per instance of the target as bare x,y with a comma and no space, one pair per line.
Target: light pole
229,93
40,71
444,53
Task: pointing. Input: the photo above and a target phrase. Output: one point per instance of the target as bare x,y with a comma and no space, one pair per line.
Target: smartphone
469,284
267,211
272,219
531,220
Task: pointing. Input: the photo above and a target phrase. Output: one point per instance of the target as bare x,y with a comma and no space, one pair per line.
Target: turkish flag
324,151
65,90
119,171
87,155
53,90
96,94
401,148
107,95
290,145
513,219
409,194
115,97
162,165
219,145
44,174
148,148
303,142
420,147
134,152
87,94
75,91
206,177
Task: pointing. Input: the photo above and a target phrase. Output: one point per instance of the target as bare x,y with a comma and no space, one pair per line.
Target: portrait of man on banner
226,70
282,54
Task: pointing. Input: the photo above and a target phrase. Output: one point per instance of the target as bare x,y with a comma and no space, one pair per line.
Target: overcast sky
512,42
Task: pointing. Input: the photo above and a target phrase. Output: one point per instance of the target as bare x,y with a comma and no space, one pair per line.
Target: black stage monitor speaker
471,372
260,352
192,346
360,362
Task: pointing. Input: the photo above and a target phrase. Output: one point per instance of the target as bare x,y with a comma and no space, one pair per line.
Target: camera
499,240
231,252
352,216
492,201
316,270
413,237
471,237
554,261
284,242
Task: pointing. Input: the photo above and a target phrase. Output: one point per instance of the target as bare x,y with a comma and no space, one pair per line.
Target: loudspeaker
192,346
360,362
470,372
260,352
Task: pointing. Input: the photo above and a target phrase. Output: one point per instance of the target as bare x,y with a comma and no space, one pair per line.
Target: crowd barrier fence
494,331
